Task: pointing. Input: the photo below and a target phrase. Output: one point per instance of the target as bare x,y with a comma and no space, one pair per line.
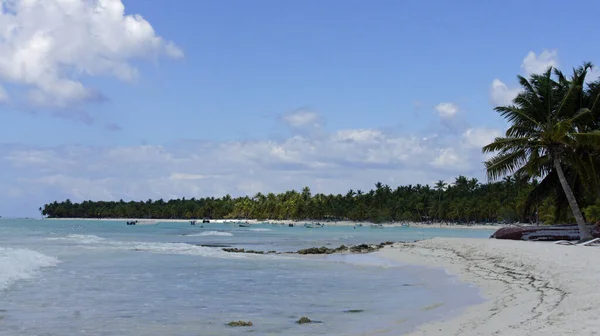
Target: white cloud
449,158
479,137
447,110
359,135
593,75
501,94
534,64
187,176
329,162
302,119
47,46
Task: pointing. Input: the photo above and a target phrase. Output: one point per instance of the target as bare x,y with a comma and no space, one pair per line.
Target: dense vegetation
554,135
464,200
553,138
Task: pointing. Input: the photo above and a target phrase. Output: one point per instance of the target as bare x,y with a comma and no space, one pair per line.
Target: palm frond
504,164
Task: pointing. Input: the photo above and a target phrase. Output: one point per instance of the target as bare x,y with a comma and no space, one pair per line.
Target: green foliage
465,200
553,135
592,212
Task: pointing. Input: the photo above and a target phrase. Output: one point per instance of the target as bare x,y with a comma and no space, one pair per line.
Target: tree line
463,200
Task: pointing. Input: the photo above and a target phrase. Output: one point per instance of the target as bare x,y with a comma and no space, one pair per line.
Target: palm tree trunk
584,233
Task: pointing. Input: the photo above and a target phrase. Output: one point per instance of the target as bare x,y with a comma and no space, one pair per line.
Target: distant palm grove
464,200
546,169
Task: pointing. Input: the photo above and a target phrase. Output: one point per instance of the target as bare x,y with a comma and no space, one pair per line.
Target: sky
138,99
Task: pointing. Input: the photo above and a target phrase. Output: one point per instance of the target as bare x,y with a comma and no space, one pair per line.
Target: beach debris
304,320
543,233
240,324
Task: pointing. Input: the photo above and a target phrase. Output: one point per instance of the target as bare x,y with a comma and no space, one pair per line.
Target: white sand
531,288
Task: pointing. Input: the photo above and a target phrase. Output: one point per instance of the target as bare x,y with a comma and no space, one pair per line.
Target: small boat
131,222
291,225
205,220
309,225
246,224
319,225
376,226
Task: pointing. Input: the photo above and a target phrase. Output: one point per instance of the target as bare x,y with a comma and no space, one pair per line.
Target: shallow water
106,278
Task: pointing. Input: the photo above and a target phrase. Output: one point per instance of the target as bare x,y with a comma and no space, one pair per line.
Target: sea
75,277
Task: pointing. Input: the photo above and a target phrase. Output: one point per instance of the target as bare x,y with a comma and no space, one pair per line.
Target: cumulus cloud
535,64
502,94
447,110
48,46
332,163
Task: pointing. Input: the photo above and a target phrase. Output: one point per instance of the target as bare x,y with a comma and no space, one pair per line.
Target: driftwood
543,233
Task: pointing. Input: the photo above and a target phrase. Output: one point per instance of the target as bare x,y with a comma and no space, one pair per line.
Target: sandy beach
531,288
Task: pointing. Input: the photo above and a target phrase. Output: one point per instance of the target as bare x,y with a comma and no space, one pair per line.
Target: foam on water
20,264
211,233
92,241
83,239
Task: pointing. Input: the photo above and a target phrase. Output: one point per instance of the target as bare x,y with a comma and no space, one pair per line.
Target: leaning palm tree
546,131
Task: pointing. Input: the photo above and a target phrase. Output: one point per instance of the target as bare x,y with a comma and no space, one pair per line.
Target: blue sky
202,98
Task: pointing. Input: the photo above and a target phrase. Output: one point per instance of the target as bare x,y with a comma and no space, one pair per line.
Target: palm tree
440,186
545,131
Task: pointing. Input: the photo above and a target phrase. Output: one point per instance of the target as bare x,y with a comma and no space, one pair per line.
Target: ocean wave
210,233
95,242
79,238
260,230
20,264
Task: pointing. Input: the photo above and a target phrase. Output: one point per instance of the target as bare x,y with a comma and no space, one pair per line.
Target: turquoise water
107,278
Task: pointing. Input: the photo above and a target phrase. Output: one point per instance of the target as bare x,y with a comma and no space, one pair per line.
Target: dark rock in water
240,324
234,250
304,320
211,245
316,250
363,248
354,311
241,250
542,233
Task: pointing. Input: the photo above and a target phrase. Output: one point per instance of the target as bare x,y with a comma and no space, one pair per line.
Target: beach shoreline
300,223
530,288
